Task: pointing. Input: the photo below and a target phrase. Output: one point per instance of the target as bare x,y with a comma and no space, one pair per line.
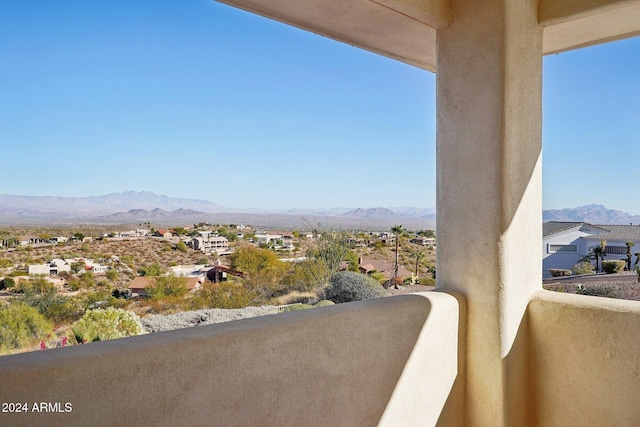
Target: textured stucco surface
489,195
406,30
585,360
391,361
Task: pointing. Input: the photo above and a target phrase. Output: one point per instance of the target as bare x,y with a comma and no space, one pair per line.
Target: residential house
268,238
209,244
287,241
424,241
29,240
128,234
166,234
220,272
565,243
357,242
94,266
192,270
370,265
387,238
189,270
53,267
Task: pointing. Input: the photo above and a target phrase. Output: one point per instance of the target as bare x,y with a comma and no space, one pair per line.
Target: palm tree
419,255
586,258
629,246
398,231
599,252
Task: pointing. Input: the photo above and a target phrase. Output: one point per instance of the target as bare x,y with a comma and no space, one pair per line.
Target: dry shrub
297,297
226,294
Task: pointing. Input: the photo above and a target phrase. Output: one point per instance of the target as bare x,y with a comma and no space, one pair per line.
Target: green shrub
64,309
613,266
428,281
87,279
75,285
324,303
112,274
77,267
596,291
41,300
296,307
559,272
37,285
225,295
583,268
21,326
90,299
7,282
106,324
346,286
167,286
412,280
152,270
17,273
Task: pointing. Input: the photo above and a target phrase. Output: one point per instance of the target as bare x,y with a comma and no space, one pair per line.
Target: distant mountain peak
132,206
377,213
595,214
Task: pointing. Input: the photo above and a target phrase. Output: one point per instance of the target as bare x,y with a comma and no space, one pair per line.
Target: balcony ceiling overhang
406,29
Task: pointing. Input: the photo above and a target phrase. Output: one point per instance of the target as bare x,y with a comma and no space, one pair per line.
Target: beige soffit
406,29
401,29
571,24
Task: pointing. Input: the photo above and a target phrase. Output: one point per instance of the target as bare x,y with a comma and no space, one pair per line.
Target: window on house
562,248
615,250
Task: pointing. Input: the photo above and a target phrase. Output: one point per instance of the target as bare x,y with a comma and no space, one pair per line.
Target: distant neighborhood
54,280
58,276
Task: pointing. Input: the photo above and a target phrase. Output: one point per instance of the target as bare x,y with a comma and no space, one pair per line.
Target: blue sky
199,100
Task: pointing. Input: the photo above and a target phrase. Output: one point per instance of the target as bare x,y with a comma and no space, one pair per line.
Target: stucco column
489,195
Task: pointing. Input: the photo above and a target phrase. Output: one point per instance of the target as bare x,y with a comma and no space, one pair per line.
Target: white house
210,244
94,266
128,234
52,267
564,243
266,238
189,270
424,241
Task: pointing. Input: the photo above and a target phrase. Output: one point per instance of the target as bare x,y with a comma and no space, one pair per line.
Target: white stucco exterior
577,240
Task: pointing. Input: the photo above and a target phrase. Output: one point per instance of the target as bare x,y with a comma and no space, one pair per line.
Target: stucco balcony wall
390,361
585,360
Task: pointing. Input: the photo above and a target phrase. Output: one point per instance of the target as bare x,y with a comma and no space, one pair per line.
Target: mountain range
595,214
145,206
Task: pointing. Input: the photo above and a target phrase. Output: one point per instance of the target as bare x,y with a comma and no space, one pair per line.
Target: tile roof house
564,243
369,265
164,233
